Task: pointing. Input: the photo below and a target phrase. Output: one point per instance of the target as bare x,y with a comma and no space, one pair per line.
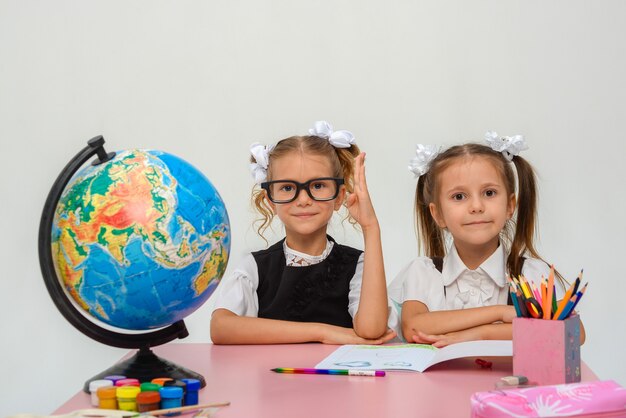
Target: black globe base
144,365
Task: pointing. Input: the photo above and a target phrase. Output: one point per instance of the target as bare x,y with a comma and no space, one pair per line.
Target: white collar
295,258
493,266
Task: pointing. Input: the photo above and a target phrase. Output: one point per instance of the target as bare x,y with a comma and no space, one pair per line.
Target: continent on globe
140,241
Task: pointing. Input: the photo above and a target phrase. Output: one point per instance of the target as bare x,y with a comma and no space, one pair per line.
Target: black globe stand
144,364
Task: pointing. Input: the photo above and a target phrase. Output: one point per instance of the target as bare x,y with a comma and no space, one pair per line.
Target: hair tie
261,154
424,156
509,146
338,139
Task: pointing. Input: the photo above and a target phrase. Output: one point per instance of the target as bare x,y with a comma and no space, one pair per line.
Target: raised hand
358,203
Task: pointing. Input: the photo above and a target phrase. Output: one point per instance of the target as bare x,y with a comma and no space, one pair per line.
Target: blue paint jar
171,397
179,384
191,396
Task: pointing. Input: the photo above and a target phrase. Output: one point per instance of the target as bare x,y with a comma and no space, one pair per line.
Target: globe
130,245
141,241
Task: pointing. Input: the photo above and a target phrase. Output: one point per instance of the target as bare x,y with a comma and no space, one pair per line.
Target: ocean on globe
140,241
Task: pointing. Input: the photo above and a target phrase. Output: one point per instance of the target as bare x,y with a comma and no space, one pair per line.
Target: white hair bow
261,154
424,155
339,139
509,146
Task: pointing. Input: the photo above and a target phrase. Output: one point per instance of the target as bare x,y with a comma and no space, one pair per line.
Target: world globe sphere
140,241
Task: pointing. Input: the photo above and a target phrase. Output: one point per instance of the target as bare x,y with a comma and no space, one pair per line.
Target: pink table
241,375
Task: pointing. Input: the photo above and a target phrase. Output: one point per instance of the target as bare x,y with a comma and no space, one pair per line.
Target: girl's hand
333,334
443,340
508,314
358,203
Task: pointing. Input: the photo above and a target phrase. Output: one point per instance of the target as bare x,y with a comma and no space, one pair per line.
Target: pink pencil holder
547,352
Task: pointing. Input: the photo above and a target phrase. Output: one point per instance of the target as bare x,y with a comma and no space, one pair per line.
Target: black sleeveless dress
316,293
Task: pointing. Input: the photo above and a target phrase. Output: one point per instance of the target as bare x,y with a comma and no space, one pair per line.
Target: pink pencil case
601,398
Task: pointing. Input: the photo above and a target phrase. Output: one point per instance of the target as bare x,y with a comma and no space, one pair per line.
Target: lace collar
295,258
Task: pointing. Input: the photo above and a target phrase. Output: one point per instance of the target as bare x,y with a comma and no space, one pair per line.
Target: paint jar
149,387
179,384
127,382
191,395
171,397
107,397
114,378
94,385
127,398
161,380
148,401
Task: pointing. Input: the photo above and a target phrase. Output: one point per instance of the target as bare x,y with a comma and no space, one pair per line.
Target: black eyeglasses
285,191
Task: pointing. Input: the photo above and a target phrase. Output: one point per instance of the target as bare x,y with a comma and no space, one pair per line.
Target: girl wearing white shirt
469,192
307,287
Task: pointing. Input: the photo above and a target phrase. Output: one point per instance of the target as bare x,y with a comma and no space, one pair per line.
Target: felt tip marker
374,373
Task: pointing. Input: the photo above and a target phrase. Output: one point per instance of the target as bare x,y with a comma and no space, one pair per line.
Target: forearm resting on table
229,328
495,331
416,317
370,321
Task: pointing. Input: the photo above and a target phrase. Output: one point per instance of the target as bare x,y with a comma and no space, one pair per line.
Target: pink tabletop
241,375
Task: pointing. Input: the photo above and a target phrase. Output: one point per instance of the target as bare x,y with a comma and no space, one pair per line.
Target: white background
203,80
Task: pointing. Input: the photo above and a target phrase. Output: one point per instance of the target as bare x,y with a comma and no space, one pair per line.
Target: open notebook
411,357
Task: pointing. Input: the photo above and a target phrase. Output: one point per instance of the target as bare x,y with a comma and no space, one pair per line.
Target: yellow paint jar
127,398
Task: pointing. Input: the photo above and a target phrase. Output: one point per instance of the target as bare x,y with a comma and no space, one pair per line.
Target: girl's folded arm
230,328
416,317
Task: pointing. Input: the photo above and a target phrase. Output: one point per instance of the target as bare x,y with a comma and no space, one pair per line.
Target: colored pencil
535,291
564,301
292,370
578,280
514,298
547,307
579,295
576,284
528,293
568,307
525,288
522,305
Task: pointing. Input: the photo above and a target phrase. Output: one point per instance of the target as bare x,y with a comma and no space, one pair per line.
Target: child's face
304,216
472,203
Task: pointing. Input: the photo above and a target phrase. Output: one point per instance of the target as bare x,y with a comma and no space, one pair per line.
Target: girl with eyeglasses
307,287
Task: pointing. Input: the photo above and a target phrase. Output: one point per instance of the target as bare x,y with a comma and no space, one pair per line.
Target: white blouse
464,288
237,292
